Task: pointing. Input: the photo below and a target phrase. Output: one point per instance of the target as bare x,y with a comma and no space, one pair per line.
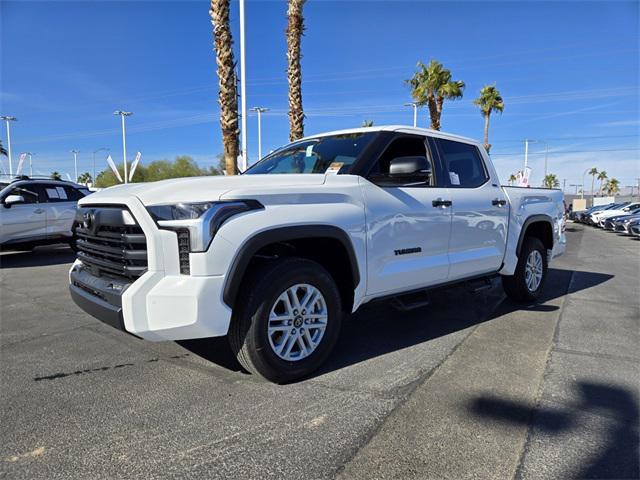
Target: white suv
37,212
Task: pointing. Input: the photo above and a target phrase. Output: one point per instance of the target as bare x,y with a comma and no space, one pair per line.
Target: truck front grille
110,242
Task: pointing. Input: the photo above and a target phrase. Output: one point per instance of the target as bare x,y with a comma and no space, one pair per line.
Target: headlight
201,220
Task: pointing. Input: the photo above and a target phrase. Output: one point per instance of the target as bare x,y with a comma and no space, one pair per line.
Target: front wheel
289,321
527,283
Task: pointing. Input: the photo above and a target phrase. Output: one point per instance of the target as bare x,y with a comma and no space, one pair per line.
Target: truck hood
202,189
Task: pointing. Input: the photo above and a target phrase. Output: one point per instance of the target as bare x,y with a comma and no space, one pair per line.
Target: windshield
332,154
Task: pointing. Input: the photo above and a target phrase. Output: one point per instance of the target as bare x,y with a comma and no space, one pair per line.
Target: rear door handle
496,202
38,210
438,202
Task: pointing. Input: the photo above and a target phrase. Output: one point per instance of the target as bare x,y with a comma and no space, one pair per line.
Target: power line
573,151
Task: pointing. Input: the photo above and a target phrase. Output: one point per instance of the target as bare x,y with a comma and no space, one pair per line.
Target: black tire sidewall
529,246
270,287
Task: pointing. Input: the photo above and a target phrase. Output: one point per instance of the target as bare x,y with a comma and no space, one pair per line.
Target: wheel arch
539,226
274,241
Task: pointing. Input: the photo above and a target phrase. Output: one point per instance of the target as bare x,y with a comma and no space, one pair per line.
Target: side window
55,193
408,146
27,192
463,164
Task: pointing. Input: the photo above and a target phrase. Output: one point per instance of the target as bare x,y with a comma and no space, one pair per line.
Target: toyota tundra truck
276,257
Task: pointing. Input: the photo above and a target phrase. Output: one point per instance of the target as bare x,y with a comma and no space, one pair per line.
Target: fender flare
241,261
527,223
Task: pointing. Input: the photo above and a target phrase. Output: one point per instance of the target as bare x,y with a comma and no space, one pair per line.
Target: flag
113,167
134,165
20,163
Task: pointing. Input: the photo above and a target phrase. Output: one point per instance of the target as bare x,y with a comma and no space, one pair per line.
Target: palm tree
551,181
294,31
431,85
228,95
613,186
56,176
593,172
85,178
488,101
602,176
367,123
512,179
3,151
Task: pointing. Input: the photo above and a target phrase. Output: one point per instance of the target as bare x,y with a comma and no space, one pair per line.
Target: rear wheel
289,321
527,283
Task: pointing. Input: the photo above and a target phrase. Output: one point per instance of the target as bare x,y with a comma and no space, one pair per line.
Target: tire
515,286
266,291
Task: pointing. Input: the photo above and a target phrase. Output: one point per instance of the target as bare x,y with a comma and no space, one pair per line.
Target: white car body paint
471,238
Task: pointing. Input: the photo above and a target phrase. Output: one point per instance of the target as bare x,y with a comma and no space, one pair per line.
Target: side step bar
420,298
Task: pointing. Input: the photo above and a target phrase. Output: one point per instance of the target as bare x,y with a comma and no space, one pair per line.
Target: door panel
480,212
407,237
61,211
23,221
478,231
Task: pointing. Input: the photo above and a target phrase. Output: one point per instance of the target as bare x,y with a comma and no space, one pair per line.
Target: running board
411,301
481,285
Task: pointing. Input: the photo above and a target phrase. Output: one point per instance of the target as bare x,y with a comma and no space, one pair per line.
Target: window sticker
454,178
334,168
52,193
309,151
61,193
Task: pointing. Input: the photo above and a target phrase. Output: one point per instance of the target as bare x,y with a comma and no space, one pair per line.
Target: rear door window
56,193
463,163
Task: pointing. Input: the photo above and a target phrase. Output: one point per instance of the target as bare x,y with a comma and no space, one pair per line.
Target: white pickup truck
274,258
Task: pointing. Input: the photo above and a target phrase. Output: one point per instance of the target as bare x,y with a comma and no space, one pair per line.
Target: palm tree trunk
433,113
295,28
487,147
228,95
439,105
593,179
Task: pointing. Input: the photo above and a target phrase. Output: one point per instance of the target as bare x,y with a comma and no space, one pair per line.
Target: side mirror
11,199
409,166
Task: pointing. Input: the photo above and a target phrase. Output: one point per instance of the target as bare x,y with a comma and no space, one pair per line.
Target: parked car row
618,217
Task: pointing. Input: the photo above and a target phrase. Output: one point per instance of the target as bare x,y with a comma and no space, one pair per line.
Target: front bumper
162,304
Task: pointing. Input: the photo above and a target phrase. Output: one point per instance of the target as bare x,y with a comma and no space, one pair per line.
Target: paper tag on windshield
455,179
309,151
334,168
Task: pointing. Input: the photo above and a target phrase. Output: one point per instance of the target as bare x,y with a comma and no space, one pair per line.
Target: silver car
37,212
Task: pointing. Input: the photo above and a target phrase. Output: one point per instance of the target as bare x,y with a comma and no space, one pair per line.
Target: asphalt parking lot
471,386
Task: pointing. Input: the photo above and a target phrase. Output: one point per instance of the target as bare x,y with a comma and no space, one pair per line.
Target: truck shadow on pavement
378,329
614,405
42,256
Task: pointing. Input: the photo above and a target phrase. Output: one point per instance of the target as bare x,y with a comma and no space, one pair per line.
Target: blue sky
569,73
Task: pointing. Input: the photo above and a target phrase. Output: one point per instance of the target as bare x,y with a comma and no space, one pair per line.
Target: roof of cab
396,128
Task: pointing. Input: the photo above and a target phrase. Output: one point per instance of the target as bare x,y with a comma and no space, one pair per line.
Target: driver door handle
438,202
496,202
38,210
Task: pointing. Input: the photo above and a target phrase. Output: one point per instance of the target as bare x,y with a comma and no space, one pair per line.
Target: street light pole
243,90
7,119
546,154
415,112
75,163
102,149
123,114
260,111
